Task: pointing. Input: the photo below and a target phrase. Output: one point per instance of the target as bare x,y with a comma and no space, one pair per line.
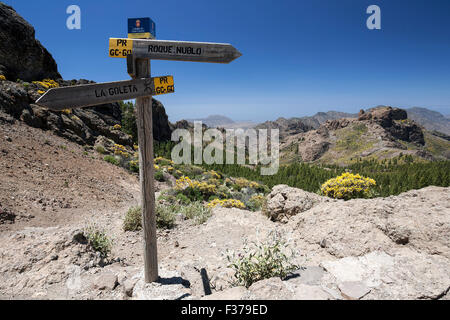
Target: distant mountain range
431,120
219,121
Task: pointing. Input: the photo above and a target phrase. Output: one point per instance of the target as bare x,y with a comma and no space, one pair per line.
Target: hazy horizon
298,57
173,119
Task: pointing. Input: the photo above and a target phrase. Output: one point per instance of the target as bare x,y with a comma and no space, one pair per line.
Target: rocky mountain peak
21,55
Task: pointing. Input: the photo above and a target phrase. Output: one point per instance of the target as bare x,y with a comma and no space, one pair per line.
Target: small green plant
100,149
262,261
197,212
133,219
134,166
159,176
112,160
165,216
256,202
98,240
183,199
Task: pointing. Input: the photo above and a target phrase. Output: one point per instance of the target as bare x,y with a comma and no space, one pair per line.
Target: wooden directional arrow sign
173,50
99,93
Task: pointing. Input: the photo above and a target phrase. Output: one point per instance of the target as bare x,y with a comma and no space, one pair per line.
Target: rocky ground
384,248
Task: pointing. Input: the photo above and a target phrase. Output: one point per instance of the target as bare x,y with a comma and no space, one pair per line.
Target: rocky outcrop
21,55
161,127
382,132
286,127
284,202
396,122
82,125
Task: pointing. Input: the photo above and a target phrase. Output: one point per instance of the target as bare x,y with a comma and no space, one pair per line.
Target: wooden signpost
173,50
100,93
139,52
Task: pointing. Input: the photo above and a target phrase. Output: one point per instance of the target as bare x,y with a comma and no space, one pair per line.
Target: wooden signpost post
139,52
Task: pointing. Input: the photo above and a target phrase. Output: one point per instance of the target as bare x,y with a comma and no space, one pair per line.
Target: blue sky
299,57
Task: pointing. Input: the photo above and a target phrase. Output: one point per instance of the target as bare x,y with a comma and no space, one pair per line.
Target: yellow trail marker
120,48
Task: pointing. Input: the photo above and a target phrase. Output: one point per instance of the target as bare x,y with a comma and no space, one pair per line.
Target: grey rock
269,289
284,202
308,292
353,290
171,286
403,274
310,275
234,293
128,286
106,281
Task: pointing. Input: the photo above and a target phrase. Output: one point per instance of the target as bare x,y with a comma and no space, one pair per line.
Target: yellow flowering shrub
244,183
163,161
226,203
41,92
67,111
47,83
117,127
134,165
213,174
193,189
120,150
240,183
256,202
348,186
2,77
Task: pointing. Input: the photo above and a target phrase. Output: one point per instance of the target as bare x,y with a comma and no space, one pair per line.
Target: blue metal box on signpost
141,28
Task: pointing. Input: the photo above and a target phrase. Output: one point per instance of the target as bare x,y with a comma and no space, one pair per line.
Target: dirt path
48,181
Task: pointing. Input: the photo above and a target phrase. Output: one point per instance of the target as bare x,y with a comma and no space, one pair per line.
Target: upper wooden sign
173,50
99,93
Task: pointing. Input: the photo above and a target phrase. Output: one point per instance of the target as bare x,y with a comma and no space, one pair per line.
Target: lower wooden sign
100,93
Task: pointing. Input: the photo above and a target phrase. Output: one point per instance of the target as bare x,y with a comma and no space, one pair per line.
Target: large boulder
403,274
284,202
417,219
21,55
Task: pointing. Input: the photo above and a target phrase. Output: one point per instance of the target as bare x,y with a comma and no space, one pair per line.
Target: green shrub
262,261
100,149
111,159
98,240
134,166
256,202
165,216
133,219
182,199
159,176
197,212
